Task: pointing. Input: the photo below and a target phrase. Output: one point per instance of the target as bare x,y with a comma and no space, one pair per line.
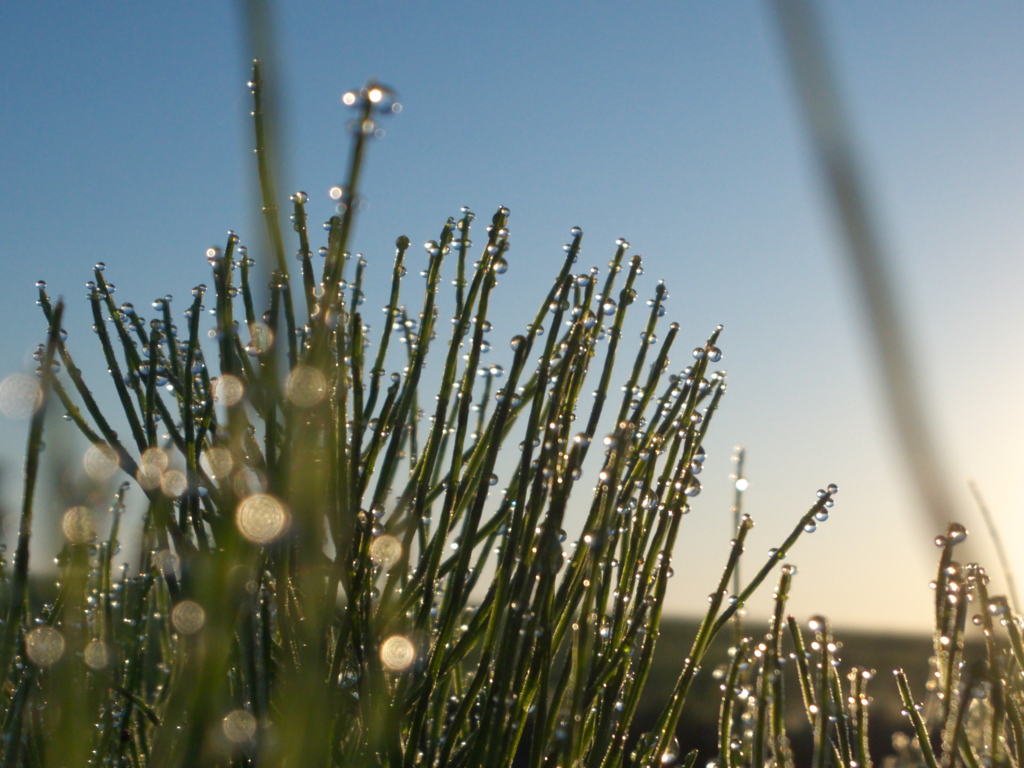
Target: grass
330,575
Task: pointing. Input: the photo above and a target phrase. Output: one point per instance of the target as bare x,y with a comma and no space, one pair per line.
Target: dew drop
956,534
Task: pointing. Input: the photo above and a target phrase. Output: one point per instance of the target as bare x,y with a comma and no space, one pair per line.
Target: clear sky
124,138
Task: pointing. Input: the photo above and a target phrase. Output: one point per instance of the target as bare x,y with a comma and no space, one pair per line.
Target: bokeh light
155,457
261,518
100,462
44,646
385,550
173,483
148,477
78,525
166,561
397,653
97,655
227,390
188,617
151,467
217,462
239,726
247,481
20,395
306,386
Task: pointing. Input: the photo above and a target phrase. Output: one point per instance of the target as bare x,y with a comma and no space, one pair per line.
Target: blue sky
124,138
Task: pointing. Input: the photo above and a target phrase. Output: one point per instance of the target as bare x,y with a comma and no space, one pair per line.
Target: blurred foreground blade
833,147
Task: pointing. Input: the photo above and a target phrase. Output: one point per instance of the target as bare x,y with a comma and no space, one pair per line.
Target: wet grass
331,573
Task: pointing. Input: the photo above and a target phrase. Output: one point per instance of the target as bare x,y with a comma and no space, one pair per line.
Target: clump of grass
971,713
329,575
297,597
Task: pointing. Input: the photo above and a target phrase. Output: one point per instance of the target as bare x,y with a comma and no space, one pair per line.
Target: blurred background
125,138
